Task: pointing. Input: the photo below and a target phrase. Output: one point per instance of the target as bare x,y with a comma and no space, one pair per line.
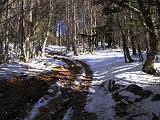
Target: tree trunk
22,33
2,4
148,66
125,46
132,41
47,34
139,50
74,48
75,29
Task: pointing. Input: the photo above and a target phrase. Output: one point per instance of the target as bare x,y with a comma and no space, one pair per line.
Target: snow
9,70
151,106
37,66
109,65
80,77
56,49
101,105
69,114
45,63
59,85
130,95
138,77
103,63
42,102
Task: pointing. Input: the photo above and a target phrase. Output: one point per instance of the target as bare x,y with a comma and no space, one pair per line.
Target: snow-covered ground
39,65
109,65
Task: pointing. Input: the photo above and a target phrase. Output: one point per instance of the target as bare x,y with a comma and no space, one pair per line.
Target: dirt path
67,86
73,93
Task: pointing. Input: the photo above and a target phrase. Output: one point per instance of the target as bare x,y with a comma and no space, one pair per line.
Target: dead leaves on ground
18,95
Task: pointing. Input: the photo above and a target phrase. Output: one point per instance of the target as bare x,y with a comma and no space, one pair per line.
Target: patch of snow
130,95
102,105
69,114
59,85
81,76
56,49
96,82
50,90
37,66
138,77
42,102
147,105
76,82
91,90
7,71
45,63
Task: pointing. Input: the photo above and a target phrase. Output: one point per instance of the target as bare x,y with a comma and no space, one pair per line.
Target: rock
156,97
146,93
135,89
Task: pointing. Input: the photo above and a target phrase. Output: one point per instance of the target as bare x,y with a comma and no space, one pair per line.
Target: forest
79,59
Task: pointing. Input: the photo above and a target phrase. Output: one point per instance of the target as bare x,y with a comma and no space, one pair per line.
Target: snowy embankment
108,67
34,68
37,66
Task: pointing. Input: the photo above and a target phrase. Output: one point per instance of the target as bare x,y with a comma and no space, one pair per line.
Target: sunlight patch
137,77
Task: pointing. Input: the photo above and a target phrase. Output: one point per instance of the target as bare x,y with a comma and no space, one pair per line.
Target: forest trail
70,103
119,90
98,86
56,95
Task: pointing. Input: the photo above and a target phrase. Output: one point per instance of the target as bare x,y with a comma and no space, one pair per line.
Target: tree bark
125,47
148,66
2,4
22,33
47,35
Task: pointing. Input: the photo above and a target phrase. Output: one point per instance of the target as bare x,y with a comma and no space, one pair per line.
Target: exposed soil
17,96
73,96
